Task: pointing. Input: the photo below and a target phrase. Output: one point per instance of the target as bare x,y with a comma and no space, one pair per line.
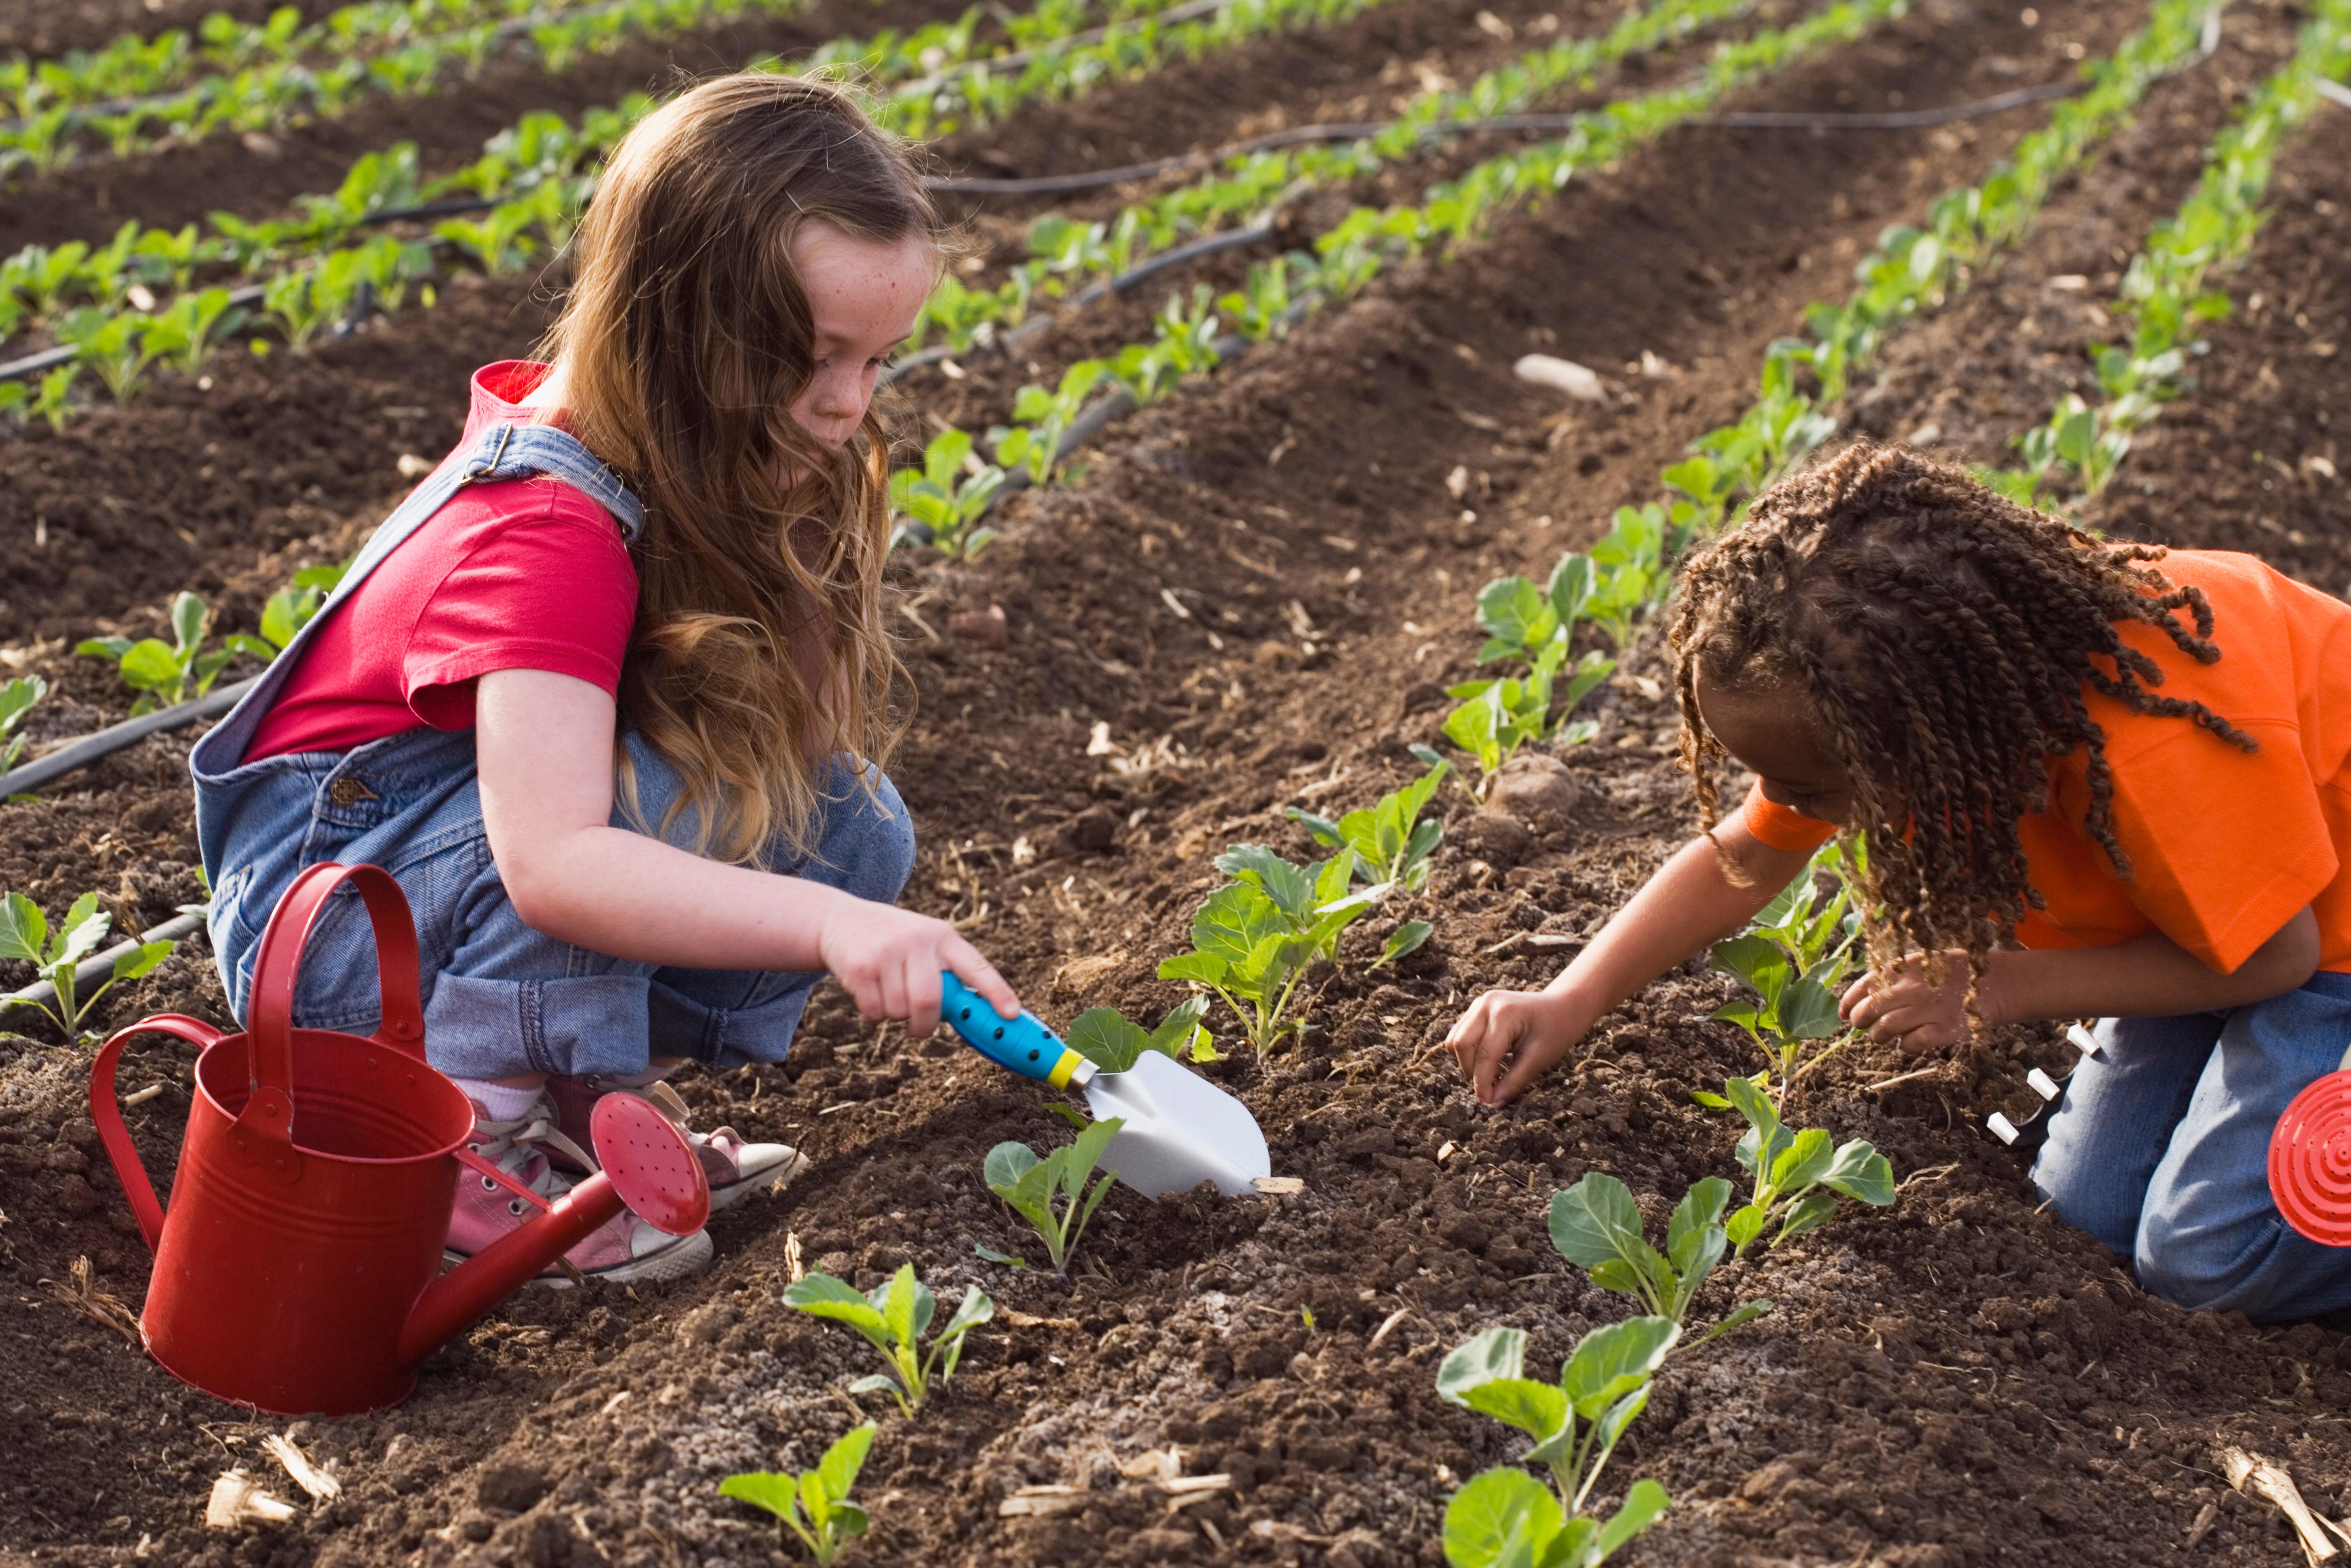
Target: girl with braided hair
2098,781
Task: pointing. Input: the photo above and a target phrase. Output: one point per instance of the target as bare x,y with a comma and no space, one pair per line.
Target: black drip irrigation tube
1907,119
74,755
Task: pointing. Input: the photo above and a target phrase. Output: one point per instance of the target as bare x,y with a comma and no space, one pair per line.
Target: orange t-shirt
2225,846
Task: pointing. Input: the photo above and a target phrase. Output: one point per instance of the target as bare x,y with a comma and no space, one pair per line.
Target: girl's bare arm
544,747
1507,1039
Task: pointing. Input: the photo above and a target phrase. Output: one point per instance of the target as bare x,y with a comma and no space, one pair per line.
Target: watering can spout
649,1169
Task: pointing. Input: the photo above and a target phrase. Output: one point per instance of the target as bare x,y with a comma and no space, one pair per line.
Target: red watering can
296,1271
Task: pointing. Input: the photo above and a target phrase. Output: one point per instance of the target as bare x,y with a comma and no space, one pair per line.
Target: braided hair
1942,636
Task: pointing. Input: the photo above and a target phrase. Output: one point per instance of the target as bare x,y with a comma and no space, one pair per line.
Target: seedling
26,935
1104,1037
1254,937
1795,959
1496,717
948,495
16,700
893,1318
1575,1424
1392,845
814,1504
1034,440
1050,1193
1791,1170
1596,1226
166,674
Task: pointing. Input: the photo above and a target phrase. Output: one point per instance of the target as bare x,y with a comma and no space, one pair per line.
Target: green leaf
1609,1362
1808,1212
848,1518
1104,1037
1808,1011
1493,1506
1644,1502
1538,1409
134,963
821,1295
23,929
1324,831
838,1470
1009,1259
81,932
150,667
1087,1152
1803,1162
1177,1029
763,1488
1289,887
187,621
1699,1209
1743,1226
1005,1165
1759,961
1236,918
1859,1171
1493,1355
1405,939
1712,1102
103,647
1594,1220
1206,968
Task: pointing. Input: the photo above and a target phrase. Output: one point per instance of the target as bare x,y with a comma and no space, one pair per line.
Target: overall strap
510,451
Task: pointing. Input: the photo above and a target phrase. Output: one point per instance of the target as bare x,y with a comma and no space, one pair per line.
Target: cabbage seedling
1050,1193
894,1318
948,495
1254,937
16,700
1798,1176
1575,1424
26,935
1795,959
813,1503
166,674
1596,1227
1104,1037
1392,845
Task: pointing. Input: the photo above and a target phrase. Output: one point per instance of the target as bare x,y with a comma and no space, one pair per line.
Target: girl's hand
1911,1009
890,958
1512,1037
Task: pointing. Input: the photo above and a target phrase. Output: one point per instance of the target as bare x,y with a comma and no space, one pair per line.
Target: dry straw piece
238,1500
2258,1476
322,1486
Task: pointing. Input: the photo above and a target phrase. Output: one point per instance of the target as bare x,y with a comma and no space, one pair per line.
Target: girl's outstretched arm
1507,1039
544,744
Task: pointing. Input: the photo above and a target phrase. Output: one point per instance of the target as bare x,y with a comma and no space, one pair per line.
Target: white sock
499,1101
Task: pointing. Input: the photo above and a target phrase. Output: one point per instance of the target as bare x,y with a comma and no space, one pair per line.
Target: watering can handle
105,1110
268,1115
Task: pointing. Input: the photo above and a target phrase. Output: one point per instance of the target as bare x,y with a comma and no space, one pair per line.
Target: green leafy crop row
1065,253
137,93
2164,291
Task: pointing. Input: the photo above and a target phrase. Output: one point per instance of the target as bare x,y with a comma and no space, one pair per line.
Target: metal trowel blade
1181,1130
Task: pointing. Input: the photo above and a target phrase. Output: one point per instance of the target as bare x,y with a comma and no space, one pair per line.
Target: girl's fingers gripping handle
1022,1044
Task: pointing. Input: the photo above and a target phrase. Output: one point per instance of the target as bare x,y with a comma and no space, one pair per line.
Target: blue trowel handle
1022,1044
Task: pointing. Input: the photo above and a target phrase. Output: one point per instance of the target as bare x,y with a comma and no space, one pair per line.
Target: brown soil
1963,1380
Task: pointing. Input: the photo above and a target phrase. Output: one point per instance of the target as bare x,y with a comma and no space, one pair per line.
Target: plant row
535,177
2164,295
1064,255
1627,574
137,94
952,491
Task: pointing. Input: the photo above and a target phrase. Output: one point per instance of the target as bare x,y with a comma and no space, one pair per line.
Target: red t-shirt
523,574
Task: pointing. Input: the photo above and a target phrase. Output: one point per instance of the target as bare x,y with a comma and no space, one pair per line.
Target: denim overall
500,999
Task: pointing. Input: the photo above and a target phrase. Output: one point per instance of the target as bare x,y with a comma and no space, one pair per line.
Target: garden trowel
1180,1130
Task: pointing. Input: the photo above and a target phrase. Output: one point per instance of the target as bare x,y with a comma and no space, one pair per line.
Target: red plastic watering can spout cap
2310,1162
656,1172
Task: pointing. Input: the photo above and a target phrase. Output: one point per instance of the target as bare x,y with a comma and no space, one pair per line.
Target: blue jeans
502,999
2161,1151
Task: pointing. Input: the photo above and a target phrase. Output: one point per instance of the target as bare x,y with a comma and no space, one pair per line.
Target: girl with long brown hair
611,694
2097,779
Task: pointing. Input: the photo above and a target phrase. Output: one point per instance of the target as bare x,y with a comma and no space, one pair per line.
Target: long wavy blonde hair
759,649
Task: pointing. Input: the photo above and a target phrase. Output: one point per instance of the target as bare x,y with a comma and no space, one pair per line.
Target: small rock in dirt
1534,788
511,1488
266,148
1561,375
1091,831
77,1197
1502,840
984,628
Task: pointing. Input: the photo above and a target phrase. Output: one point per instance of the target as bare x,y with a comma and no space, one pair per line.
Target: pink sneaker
732,1166
623,1249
